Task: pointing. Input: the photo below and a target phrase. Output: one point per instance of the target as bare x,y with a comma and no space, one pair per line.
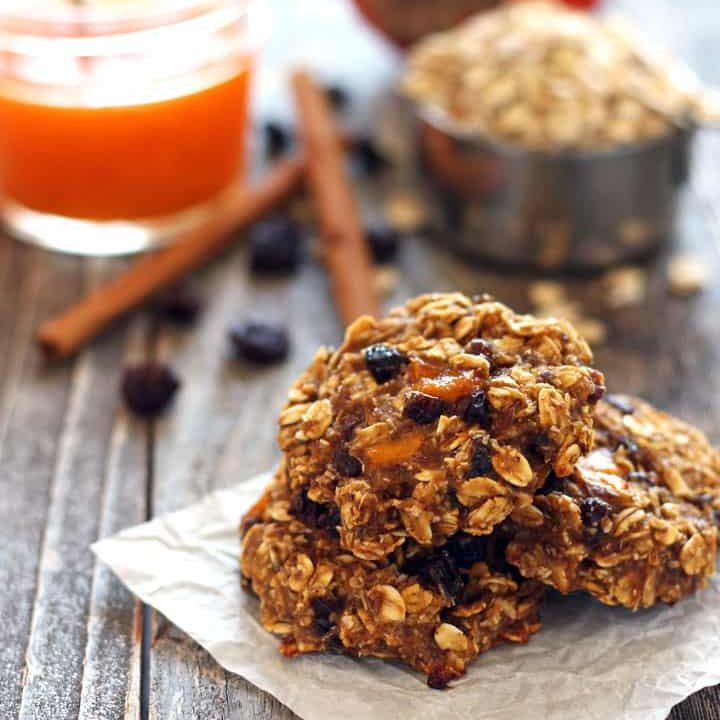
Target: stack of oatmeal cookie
445,465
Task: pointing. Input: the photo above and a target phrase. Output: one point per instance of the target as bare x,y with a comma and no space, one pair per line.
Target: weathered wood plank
32,414
81,495
221,432
111,666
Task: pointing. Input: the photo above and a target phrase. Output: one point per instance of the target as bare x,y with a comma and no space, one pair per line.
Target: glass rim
76,16
88,32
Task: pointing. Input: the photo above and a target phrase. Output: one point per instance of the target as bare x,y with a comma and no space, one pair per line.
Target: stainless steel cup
570,210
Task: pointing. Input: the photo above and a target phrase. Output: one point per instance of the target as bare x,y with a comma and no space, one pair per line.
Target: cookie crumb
626,287
546,293
593,330
686,275
385,280
405,212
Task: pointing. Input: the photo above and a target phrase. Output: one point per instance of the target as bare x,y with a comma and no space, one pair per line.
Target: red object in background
582,4
404,27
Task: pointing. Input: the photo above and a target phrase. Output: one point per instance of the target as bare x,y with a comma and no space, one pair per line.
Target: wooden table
74,466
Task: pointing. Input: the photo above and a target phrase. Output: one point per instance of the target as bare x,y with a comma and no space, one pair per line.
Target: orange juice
124,162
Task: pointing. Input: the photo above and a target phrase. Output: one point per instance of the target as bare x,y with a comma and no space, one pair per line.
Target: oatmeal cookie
435,610
634,525
446,415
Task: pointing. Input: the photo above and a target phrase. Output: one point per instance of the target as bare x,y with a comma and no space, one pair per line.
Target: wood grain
32,415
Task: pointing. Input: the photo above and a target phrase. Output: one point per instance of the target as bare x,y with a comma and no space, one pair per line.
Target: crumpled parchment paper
589,661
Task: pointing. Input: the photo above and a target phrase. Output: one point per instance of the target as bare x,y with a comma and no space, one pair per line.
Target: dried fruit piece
437,569
324,608
346,464
384,362
477,410
260,342
148,388
593,510
315,515
277,139
338,96
394,451
384,241
480,462
423,409
275,245
367,158
178,304
448,386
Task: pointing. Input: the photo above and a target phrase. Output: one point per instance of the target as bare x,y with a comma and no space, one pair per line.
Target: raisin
480,463
453,211
149,388
480,346
600,388
438,678
437,569
314,515
466,549
259,342
539,448
338,96
383,241
593,510
324,607
620,403
178,305
275,246
277,139
477,411
346,464
367,158
384,362
422,408
552,484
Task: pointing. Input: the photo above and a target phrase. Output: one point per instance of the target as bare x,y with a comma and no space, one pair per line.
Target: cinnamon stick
345,249
64,335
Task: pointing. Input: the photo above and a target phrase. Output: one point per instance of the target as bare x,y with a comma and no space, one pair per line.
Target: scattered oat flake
385,280
686,275
593,330
625,287
405,212
546,293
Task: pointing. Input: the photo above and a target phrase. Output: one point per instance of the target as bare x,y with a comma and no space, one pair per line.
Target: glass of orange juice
121,121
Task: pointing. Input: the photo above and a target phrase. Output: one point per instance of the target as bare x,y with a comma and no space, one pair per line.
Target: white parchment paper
588,661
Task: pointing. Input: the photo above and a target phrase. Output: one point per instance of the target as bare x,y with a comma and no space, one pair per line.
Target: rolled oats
415,430
541,76
635,524
434,611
